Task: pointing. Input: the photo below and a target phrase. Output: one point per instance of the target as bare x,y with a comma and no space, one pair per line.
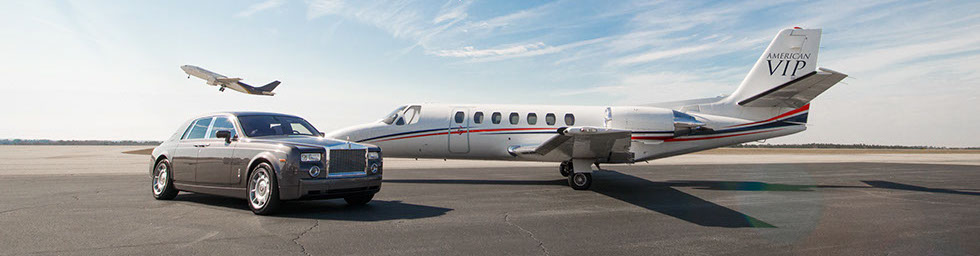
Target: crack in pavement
296,240
528,232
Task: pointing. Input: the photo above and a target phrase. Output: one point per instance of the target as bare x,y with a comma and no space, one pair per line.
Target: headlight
374,155
310,157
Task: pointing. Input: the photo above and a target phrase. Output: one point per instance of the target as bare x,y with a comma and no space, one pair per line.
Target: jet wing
798,92
604,145
228,80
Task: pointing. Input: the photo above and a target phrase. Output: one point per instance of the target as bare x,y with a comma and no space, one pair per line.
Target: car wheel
162,183
359,200
263,190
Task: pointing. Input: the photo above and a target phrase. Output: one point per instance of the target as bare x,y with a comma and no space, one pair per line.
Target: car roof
247,113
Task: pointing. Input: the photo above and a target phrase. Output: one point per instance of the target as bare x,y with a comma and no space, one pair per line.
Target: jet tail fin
792,54
784,79
269,87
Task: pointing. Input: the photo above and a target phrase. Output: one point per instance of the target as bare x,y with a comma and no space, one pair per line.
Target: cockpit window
390,118
404,115
272,125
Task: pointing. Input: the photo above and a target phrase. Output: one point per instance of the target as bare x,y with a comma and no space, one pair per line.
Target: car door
215,157
184,160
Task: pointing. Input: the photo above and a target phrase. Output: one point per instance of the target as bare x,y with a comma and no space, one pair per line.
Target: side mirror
224,134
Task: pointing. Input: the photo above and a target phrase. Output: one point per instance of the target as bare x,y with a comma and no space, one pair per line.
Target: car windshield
271,125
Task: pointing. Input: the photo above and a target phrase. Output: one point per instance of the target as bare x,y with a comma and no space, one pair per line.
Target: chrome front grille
347,161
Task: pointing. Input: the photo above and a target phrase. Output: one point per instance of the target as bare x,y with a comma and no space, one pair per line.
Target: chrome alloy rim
258,189
160,179
579,179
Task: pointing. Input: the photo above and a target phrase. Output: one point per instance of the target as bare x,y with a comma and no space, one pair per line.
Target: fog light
314,171
374,168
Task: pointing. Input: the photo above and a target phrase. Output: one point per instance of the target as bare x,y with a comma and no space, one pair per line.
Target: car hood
307,141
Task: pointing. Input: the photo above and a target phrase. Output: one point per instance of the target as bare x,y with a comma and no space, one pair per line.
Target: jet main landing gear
577,179
565,168
580,180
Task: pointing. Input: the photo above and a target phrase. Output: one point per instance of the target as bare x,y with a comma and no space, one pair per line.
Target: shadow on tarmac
662,197
900,186
334,209
655,196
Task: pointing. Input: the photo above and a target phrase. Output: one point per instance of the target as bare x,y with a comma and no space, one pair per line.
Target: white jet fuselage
206,75
654,133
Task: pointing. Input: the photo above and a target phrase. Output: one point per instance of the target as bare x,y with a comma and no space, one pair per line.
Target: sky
110,69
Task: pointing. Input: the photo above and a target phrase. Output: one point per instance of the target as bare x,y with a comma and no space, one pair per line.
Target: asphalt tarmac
705,209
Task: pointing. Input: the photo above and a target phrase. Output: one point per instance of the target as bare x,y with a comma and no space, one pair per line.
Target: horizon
110,71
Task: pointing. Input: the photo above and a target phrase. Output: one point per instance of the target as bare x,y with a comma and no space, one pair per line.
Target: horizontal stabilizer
796,92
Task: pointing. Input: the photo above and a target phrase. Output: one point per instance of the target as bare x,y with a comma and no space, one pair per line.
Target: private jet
772,101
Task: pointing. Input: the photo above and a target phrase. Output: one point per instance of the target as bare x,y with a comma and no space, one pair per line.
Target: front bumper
331,188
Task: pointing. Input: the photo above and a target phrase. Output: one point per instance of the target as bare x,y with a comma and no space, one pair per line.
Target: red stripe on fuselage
717,137
671,138
460,131
795,111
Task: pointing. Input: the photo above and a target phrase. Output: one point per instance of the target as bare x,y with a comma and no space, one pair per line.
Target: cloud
319,8
660,54
258,7
472,52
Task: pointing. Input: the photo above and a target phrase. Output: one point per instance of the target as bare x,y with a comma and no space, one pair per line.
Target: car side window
200,129
222,124
495,118
569,119
515,118
550,118
478,117
532,118
460,116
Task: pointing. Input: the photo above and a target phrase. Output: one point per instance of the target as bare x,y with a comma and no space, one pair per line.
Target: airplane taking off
216,79
772,101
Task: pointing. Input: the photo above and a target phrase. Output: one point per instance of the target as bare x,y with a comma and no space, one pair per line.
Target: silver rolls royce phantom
264,158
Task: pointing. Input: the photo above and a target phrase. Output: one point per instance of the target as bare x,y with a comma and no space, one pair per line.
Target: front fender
269,157
157,153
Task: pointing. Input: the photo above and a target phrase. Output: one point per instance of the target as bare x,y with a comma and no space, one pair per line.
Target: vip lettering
788,55
784,64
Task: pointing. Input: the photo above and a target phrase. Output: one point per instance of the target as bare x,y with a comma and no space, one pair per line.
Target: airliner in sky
215,79
772,101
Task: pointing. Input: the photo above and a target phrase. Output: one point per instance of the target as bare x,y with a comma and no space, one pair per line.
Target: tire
580,180
565,168
162,182
359,199
263,190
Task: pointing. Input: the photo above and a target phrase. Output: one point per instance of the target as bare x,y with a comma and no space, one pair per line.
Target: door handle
202,145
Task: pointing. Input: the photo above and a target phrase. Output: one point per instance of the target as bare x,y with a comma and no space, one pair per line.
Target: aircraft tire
565,168
580,180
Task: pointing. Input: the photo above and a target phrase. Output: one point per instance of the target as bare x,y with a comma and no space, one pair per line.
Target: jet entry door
459,131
